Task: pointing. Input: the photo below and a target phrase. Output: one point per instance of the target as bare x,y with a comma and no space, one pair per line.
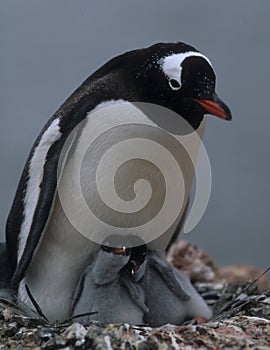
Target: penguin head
173,75
179,77
137,259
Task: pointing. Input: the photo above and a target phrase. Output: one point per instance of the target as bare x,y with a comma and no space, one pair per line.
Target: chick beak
215,106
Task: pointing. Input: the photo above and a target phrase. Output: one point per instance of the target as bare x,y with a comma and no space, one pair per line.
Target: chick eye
174,84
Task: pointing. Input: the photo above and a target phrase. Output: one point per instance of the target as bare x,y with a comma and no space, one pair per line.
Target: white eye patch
172,67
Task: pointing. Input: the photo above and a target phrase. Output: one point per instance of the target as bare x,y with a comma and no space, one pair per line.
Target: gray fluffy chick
110,295
166,303
136,288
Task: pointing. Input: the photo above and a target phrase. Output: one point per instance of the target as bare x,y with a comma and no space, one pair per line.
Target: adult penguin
49,235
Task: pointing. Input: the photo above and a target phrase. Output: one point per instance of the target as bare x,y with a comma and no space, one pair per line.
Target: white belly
119,175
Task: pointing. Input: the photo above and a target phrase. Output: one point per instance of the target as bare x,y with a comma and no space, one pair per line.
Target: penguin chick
165,304
121,284
103,291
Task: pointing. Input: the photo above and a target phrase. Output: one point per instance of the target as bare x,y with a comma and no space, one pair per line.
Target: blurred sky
49,47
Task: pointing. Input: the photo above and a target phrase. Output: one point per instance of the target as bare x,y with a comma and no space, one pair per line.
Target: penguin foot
157,262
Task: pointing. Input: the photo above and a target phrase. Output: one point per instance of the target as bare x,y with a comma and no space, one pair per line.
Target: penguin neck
106,267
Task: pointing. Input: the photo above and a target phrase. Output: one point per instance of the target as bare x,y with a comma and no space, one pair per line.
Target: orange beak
215,107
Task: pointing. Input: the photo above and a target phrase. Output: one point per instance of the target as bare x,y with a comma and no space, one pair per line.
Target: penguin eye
174,84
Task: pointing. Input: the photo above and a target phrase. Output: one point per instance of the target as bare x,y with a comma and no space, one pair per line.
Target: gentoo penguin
50,237
107,292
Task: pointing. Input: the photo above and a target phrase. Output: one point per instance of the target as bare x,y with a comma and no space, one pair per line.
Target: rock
243,273
193,261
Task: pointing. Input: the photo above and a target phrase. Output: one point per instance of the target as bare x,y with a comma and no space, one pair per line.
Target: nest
241,316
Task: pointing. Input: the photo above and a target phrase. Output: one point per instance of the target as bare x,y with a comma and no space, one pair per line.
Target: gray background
49,47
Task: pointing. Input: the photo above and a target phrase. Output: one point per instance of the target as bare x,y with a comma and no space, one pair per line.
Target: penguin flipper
135,292
167,273
40,215
78,292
